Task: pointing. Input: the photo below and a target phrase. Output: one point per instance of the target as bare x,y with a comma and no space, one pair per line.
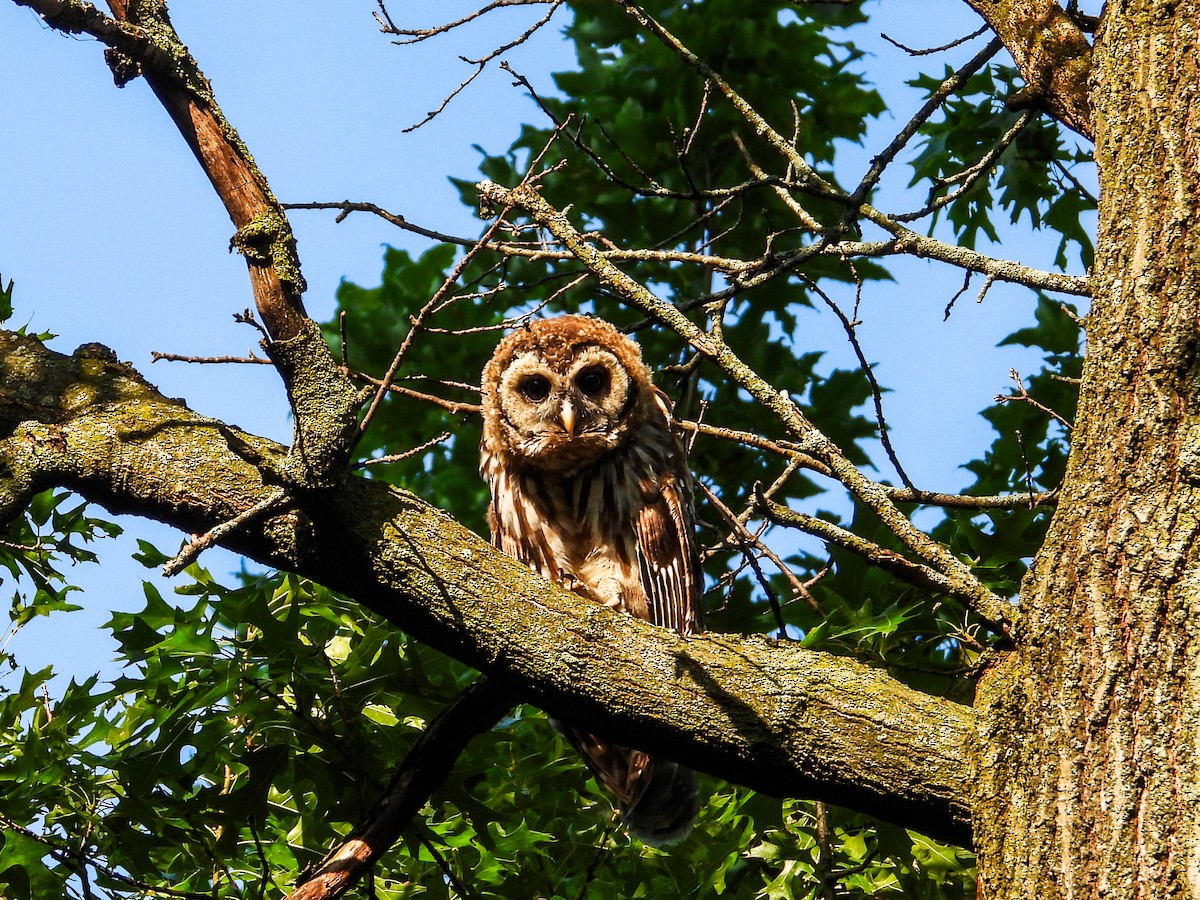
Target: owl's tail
667,808
658,800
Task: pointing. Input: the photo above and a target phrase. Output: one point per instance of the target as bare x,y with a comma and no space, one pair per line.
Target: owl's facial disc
564,417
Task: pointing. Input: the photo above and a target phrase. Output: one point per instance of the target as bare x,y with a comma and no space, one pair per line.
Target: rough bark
1090,775
773,716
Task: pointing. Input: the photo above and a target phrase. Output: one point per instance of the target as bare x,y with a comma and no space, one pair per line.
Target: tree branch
1054,57
776,717
803,177
426,766
146,43
323,400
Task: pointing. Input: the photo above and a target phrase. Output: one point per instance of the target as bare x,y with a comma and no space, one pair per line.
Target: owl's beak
567,416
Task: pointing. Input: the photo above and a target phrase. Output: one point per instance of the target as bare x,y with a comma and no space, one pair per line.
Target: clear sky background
112,233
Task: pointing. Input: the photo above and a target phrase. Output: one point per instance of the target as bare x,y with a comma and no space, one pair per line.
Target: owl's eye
534,388
592,380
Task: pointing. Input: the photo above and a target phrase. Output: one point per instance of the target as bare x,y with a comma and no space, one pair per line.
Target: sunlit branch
889,560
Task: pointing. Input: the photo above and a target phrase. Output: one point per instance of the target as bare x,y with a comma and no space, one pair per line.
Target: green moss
268,240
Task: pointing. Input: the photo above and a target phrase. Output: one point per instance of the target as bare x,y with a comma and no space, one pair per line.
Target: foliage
255,724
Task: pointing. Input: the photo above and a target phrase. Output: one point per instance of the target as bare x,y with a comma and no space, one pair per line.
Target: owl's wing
666,544
667,558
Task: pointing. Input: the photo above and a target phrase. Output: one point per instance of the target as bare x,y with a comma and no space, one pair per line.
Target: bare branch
155,356
481,63
805,178
930,50
889,560
407,454
1023,396
869,372
945,90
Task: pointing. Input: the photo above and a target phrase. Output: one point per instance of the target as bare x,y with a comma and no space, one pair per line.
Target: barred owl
589,488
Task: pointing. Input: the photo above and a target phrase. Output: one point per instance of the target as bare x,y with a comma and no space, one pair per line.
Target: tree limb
1053,54
142,34
323,400
773,716
425,767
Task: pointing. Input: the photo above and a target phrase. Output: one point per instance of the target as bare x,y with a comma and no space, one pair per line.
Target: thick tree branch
145,43
776,717
1053,54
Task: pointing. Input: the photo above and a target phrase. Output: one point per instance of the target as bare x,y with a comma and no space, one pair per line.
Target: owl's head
562,392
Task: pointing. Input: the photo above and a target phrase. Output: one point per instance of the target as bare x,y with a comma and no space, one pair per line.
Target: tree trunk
1090,758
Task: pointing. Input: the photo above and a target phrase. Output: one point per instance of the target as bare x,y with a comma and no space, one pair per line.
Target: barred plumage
589,487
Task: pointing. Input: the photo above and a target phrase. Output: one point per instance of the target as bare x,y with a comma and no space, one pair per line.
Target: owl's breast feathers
618,531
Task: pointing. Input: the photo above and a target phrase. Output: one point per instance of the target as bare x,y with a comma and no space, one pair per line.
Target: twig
876,392
451,406
387,26
199,544
397,457
950,46
246,317
1025,460
1023,396
962,290
748,540
481,63
345,347
155,356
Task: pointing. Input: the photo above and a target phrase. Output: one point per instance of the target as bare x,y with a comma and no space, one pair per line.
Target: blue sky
112,233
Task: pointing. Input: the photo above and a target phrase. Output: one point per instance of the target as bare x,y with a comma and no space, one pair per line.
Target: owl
589,487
